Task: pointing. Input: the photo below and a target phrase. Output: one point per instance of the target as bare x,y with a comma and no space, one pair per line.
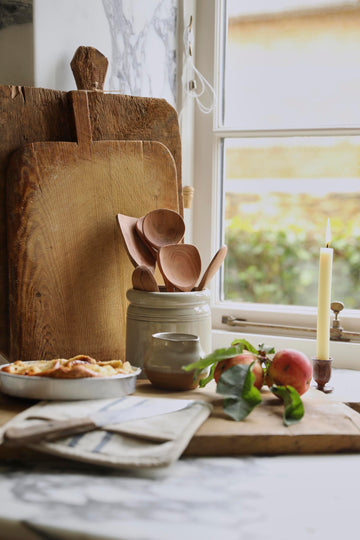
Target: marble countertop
281,497
206,498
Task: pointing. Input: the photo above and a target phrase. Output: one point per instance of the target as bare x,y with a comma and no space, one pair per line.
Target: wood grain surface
35,114
69,270
327,427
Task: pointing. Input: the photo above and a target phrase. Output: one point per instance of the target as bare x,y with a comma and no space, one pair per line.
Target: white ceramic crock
149,313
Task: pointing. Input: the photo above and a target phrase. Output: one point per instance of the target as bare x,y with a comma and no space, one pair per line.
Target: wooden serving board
69,270
327,426
36,114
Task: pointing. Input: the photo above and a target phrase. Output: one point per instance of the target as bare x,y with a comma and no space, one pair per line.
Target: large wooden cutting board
69,271
38,114
327,427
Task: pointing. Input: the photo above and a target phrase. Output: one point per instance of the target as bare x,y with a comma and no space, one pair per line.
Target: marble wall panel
137,36
143,47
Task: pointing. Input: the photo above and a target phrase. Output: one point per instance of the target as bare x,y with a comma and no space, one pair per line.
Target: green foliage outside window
275,266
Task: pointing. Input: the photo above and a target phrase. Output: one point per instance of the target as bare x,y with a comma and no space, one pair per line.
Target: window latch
337,333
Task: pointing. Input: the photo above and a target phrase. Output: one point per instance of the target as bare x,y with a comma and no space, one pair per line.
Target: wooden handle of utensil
89,67
188,195
52,430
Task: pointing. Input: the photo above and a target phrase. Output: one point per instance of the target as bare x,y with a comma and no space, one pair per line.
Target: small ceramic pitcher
166,354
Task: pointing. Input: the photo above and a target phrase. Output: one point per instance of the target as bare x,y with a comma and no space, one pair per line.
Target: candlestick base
322,374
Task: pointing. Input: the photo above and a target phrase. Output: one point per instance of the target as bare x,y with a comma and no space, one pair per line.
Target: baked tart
80,366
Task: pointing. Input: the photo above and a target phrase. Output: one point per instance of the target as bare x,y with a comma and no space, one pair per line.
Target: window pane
292,64
279,193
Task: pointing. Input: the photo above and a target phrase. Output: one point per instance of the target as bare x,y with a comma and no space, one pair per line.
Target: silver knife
134,409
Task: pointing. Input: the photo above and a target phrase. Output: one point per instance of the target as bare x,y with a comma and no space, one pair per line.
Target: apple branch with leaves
236,382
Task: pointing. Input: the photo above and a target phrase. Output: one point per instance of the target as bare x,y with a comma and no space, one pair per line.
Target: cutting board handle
83,130
89,67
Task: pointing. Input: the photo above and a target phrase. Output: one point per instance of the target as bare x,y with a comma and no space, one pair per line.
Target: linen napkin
150,442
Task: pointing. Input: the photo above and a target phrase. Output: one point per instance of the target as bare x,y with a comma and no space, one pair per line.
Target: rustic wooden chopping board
37,114
69,270
327,427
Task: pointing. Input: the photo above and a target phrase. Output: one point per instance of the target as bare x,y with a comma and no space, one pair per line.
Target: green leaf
245,345
211,360
214,357
236,384
203,382
294,408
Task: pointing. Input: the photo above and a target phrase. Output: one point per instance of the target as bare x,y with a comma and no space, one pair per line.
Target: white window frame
207,206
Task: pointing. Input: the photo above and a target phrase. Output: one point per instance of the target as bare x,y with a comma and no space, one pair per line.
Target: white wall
59,29
137,36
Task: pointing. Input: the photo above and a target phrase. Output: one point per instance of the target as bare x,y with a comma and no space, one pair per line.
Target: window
280,155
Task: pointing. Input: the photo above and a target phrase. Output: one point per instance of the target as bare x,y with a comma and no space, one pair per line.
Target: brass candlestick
322,374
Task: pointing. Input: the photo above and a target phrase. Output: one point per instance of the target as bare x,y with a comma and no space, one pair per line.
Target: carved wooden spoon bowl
143,279
180,266
140,232
162,227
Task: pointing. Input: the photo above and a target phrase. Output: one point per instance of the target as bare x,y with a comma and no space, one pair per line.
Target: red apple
290,367
246,358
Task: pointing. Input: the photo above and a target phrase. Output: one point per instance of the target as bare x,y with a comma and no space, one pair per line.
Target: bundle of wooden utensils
155,239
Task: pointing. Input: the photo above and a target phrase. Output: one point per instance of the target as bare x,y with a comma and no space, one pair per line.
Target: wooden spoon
139,227
138,252
143,279
140,232
180,266
213,267
162,227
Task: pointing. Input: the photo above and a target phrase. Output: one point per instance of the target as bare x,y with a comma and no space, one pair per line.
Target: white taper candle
324,299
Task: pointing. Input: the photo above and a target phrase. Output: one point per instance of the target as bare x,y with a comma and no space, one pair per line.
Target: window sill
279,315
345,355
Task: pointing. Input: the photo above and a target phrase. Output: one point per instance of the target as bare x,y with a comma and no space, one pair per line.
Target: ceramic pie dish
33,387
